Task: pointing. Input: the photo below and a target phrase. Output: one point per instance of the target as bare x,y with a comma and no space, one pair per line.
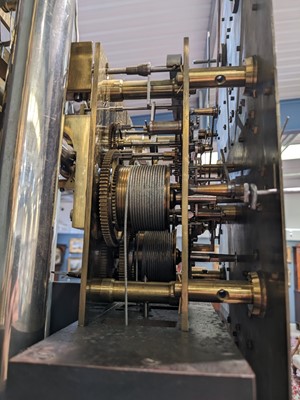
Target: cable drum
120,193
149,192
156,253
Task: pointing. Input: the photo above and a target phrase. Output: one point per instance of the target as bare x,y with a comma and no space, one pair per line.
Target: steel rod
212,257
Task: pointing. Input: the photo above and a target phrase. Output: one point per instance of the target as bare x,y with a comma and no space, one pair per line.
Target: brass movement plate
78,128
80,70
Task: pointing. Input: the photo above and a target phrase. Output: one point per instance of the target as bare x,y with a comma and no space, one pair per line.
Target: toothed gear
113,197
130,265
102,261
111,235
121,267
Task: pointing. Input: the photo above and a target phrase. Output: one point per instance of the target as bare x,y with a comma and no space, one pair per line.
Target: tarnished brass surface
164,127
109,290
214,77
80,72
197,198
219,190
204,134
233,292
119,90
78,128
89,190
222,76
203,273
217,168
131,189
259,304
224,213
210,111
143,139
219,292
159,141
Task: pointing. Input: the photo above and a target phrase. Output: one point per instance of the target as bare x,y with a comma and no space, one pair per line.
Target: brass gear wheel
113,197
111,235
121,267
